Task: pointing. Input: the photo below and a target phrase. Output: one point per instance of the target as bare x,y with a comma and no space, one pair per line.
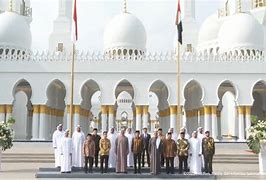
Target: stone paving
27,170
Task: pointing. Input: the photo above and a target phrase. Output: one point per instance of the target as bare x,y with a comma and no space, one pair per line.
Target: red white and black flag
74,35
178,23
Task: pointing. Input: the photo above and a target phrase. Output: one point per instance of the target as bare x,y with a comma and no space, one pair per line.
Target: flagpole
72,89
179,117
178,73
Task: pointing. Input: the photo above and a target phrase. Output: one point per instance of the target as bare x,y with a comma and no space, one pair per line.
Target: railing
11,54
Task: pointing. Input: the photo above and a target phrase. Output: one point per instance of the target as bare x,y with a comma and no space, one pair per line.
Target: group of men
128,149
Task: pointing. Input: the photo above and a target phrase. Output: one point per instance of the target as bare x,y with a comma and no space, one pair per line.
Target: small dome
14,31
208,33
209,29
125,32
241,32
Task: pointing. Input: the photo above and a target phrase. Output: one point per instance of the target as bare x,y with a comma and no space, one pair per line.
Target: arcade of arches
226,120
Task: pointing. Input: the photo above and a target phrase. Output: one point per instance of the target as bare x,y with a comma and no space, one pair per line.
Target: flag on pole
178,23
74,35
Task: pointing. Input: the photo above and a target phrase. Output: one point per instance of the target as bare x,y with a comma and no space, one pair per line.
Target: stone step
51,155
120,176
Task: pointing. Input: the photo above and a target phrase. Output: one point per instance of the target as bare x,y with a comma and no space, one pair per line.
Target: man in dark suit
96,139
146,139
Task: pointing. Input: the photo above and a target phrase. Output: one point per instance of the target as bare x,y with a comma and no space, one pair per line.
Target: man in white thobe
174,134
78,139
200,133
174,137
200,136
57,137
66,153
130,156
195,154
112,135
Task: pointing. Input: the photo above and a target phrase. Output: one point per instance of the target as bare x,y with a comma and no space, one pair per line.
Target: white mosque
223,74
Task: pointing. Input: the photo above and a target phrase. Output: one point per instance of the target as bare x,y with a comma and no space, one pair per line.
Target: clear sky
158,17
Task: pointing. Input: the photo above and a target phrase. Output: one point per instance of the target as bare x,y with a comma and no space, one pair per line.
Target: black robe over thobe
155,154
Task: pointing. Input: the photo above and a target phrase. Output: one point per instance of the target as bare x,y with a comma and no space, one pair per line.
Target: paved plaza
232,161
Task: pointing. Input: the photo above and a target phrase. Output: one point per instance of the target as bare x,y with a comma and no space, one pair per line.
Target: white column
68,123
201,117
207,118
241,126
8,111
247,118
35,122
214,123
111,117
138,117
53,119
44,123
184,118
173,118
262,159
76,116
2,113
104,117
219,124
84,119
145,117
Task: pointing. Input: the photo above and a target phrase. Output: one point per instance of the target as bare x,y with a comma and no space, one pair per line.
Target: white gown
66,151
130,156
195,159
112,155
200,137
78,139
176,160
57,137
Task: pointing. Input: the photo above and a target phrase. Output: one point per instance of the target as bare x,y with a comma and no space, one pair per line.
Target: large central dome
125,33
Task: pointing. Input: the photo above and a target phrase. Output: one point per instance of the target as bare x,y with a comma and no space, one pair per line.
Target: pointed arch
87,91
22,85
56,93
224,86
258,108
124,85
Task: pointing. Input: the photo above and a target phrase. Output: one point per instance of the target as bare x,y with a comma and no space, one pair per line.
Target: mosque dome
208,33
209,29
124,98
125,34
14,31
241,32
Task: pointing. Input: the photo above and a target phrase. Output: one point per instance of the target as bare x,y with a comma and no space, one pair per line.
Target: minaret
21,7
231,7
60,38
239,6
125,6
190,33
189,8
258,3
10,5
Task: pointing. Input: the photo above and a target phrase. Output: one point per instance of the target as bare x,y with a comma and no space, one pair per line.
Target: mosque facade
222,74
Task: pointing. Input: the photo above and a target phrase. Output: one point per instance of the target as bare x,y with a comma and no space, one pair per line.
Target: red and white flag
178,23
74,34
